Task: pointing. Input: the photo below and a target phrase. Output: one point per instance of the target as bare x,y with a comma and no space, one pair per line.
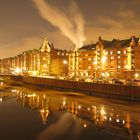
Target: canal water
41,114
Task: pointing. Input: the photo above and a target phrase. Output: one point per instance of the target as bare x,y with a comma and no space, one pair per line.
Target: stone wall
105,90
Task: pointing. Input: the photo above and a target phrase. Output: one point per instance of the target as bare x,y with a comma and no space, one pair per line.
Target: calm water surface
37,114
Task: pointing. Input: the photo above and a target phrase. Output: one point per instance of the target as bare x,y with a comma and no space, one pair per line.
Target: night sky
23,28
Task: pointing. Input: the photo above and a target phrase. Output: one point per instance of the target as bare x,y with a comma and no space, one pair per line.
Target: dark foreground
39,114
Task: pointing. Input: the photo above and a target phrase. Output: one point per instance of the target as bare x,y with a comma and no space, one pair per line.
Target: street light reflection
95,114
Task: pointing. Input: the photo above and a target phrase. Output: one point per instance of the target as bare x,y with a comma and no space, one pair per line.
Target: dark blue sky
22,28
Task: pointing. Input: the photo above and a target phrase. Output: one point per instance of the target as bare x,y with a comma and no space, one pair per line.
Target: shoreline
111,91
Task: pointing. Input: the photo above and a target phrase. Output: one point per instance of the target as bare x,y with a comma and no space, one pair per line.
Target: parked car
117,81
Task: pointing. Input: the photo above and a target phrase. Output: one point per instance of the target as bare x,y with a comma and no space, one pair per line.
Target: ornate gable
46,47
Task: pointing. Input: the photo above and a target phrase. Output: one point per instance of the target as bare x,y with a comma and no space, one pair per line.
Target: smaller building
45,61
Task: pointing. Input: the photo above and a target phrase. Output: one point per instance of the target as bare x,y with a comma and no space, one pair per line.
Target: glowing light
86,73
88,109
17,70
89,67
0,99
107,74
106,53
44,96
119,52
34,95
29,95
95,62
103,59
105,117
102,111
85,125
1,83
79,106
117,120
128,67
136,75
44,58
64,103
65,62
34,73
118,67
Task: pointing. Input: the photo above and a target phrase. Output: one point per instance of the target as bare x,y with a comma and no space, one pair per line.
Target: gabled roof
109,44
88,47
46,46
125,42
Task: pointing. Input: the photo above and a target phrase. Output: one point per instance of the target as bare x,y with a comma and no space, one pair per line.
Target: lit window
119,57
65,62
104,59
44,58
111,52
58,53
136,75
106,53
89,67
119,67
89,59
62,53
95,62
86,55
119,52
86,74
124,52
44,65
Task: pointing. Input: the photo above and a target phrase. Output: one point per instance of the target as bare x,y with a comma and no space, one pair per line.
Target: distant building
53,61
45,61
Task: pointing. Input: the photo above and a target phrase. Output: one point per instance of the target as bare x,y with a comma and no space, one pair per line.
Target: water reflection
104,119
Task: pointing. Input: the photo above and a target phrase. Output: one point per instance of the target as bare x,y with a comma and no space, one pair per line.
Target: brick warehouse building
45,61
119,59
116,59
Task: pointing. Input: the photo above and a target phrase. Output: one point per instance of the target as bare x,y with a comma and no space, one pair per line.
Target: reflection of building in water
39,102
34,101
101,116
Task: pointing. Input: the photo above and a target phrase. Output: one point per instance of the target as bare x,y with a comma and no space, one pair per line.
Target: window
119,52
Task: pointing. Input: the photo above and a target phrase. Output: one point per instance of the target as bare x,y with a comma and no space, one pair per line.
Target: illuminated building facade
45,61
118,59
